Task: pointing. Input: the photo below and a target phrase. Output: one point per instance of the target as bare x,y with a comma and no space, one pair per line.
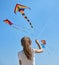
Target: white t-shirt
23,58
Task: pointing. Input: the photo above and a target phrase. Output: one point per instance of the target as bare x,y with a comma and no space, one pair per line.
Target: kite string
42,29
37,32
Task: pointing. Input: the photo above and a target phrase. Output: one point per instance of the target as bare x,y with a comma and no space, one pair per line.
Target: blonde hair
26,42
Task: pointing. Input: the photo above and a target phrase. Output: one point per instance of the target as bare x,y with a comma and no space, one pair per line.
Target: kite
43,43
8,22
11,24
20,8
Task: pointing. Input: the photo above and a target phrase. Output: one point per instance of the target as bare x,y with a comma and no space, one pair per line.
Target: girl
27,55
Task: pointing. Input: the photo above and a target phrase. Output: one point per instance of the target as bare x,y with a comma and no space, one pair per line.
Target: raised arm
39,46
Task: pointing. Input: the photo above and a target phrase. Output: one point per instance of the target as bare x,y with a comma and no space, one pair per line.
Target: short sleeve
33,50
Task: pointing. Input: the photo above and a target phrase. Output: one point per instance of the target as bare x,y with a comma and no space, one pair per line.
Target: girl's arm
20,63
39,46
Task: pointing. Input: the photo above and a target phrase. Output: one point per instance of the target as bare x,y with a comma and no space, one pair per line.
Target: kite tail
18,28
27,20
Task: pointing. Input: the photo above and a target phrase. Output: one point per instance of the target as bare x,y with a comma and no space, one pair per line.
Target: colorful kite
8,22
43,43
11,24
20,8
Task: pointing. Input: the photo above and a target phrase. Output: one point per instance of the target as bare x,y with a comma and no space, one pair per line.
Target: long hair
26,42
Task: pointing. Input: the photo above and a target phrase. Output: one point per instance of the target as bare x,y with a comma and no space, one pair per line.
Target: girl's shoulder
20,52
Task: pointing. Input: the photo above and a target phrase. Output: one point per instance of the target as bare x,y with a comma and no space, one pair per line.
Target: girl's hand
39,46
37,41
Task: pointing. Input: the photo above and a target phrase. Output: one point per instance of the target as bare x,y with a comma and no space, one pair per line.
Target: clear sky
44,15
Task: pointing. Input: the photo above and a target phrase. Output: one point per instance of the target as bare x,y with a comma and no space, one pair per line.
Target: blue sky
44,15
